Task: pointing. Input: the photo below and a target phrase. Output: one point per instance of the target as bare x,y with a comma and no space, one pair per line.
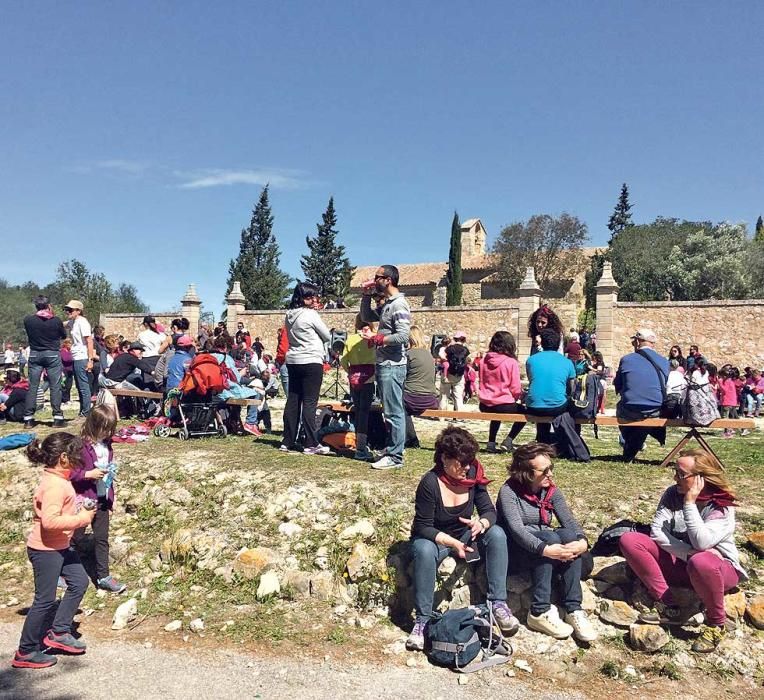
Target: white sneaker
317,450
582,628
550,623
386,463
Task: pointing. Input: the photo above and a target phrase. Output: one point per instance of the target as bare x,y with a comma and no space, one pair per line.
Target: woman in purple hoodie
500,388
93,478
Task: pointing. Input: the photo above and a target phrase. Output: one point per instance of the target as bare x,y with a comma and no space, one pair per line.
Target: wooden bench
140,394
611,421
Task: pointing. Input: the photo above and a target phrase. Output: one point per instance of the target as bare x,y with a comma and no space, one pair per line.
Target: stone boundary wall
479,323
724,330
129,325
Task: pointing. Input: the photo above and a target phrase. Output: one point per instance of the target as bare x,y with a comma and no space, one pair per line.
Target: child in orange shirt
57,513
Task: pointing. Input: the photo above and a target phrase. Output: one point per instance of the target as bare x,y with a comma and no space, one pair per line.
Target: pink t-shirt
727,392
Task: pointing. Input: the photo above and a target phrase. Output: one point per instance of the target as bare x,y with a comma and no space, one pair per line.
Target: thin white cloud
132,167
220,177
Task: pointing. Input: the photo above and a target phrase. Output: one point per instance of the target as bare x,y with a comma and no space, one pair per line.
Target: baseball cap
646,334
74,304
459,334
137,346
184,340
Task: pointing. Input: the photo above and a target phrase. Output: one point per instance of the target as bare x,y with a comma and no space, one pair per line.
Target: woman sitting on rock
691,543
444,525
526,504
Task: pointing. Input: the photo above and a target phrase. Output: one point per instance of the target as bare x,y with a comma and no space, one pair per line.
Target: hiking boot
109,583
364,455
415,641
252,429
317,450
506,621
64,642
710,638
493,448
386,463
662,614
549,622
582,628
34,659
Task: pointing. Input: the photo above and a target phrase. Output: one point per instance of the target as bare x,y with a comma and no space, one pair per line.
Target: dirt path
128,670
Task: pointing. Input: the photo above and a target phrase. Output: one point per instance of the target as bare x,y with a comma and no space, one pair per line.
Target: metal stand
336,386
692,433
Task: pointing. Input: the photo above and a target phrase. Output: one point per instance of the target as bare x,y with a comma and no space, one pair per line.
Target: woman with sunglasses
526,504
691,543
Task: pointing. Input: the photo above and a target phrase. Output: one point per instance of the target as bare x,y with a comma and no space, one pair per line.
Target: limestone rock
196,625
756,541
269,585
250,563
180,495
173,626
734,604
755,611
124,614
359,562
322,558
290,529
323,586
177,547
298,581
363,529
460,598
447,567
225,572
589,602
649,638
617,612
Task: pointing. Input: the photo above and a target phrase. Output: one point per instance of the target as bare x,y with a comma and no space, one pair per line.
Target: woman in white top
152,341
307,334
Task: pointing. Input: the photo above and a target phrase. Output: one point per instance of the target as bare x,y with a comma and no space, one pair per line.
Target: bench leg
692,433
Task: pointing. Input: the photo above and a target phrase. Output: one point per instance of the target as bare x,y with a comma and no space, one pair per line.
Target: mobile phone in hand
474,555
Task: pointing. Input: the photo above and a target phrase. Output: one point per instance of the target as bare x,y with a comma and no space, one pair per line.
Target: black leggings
304,387
493,429
100,528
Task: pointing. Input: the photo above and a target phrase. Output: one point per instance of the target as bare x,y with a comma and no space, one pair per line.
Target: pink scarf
45,313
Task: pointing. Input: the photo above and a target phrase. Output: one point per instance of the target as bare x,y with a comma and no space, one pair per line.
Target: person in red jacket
500,389
282,345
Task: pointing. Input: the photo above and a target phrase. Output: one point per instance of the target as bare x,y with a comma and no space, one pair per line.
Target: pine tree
326,265
454,274
759,235
263,283
621,216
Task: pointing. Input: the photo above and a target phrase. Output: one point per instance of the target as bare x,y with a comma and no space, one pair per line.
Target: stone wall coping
706,303
427,309
141,314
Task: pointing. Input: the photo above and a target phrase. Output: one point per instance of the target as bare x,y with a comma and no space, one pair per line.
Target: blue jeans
82,380
49,360
544,569
390,379
428,555
284,374
633,439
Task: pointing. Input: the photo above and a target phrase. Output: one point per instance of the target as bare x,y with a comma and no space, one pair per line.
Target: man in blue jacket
641,384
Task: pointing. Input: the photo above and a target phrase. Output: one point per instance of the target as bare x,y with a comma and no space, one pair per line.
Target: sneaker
549,622
710,638
415,641
34,659
493,448
386,463
109,583
745,431
252,429
59,422
662,614
284,448
364,455
64,642
582,628
505,620
317,450
29,423
507,444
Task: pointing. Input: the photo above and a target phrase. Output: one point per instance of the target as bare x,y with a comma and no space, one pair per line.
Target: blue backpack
16,440
457,638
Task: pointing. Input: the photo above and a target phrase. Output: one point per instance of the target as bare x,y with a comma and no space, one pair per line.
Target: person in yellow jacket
358,359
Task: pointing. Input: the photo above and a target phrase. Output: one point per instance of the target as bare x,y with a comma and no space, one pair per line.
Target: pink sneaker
252,429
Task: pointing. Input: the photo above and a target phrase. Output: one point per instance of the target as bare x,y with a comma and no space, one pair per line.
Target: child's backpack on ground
207,375
466,640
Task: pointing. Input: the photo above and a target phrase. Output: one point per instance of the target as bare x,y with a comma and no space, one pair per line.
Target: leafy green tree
326,265
621,216
551,245
263,283
759,235
454,273
711,264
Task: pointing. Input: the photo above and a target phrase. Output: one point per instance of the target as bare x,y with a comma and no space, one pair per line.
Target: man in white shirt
83,351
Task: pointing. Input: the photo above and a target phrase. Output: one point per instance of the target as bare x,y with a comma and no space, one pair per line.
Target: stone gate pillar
528,301
236,307
607,300
191,308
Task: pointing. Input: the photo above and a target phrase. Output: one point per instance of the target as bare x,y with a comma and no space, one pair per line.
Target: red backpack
207,375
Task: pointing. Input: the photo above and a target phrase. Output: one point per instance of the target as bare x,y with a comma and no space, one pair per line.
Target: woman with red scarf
691,543
445,524
526,504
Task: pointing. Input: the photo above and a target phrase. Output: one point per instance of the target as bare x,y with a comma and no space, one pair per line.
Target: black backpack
607,543
457,359
586,395
457,638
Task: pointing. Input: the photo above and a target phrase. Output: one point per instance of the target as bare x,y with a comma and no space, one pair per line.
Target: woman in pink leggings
691,543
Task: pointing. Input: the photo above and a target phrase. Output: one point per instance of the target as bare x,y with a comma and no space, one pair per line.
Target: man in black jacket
45,332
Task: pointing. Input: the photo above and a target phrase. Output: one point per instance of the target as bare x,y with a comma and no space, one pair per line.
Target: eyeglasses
546,471
681,475
380,277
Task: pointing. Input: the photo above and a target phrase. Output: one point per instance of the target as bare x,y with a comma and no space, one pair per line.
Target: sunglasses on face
380,277
546,471
681,475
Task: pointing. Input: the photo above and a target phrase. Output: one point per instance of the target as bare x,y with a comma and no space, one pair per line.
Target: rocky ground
231,544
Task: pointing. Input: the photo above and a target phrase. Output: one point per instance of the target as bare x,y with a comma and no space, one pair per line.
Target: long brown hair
99,425
705,466
49,451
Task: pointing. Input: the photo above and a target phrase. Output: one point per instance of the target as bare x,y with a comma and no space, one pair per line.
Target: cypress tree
263,283
454,274
326,265
759,235
621,216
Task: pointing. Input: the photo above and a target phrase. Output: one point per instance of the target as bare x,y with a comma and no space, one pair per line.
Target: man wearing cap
640,382
122,373
45,331
83,351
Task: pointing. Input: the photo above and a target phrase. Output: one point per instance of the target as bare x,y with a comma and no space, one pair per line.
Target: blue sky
136,136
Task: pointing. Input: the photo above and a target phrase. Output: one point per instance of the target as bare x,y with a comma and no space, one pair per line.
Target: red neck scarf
543,504
717,497
480,478
44,313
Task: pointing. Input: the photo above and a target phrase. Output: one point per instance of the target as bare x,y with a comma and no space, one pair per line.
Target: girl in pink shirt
728,400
